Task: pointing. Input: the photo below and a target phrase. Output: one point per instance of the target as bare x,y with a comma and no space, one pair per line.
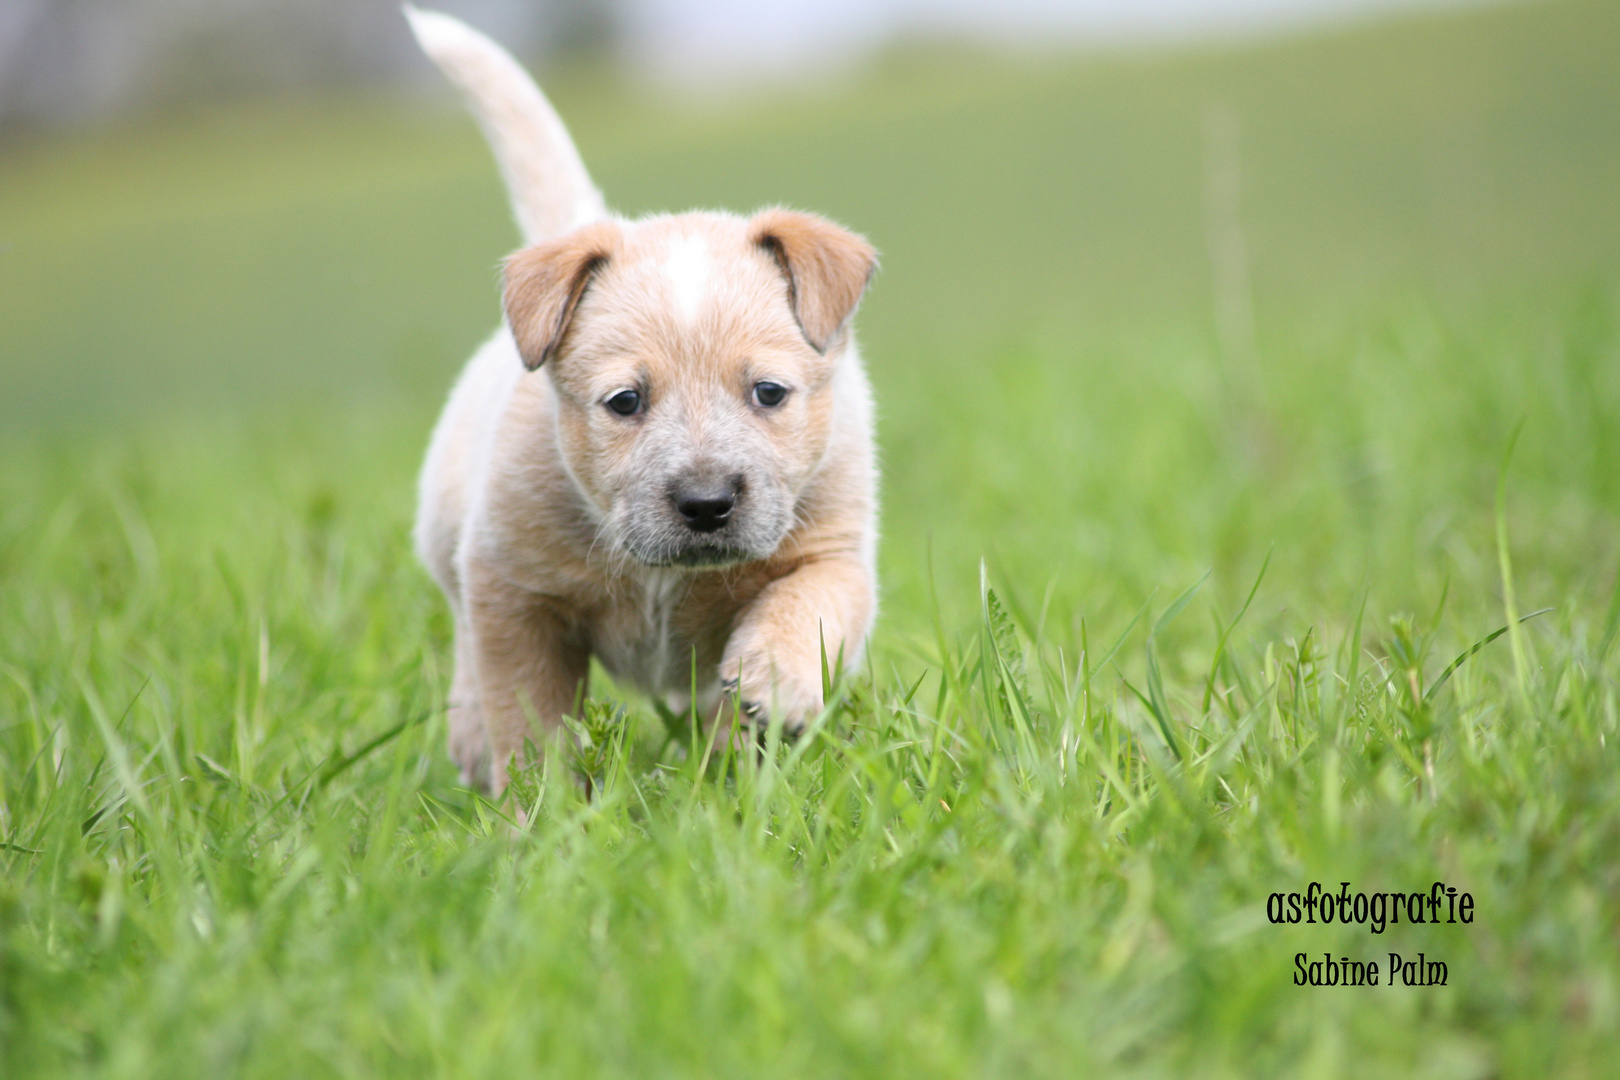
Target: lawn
1229,397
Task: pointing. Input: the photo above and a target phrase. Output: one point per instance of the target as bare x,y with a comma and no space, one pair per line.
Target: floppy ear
544,284
826,267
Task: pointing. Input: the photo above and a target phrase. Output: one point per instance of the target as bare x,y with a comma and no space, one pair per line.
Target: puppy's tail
550,190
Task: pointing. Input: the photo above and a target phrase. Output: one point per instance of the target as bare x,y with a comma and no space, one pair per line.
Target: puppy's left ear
827,268
545,283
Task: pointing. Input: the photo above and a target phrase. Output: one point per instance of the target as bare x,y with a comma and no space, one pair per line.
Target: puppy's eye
625,402
769,394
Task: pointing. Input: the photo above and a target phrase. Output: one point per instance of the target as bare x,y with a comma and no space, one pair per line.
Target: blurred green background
1426,212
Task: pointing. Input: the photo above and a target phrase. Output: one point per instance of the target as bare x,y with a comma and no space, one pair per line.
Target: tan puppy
663,459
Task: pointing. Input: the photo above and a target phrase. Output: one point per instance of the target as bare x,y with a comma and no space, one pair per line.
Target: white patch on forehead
687,268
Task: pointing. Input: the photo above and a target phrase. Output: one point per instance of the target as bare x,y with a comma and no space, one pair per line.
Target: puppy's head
693,359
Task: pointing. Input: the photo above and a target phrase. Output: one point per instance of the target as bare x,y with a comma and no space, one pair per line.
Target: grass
1168,625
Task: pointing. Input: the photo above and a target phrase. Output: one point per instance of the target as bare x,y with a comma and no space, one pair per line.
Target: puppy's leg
528,665
773,660
469,745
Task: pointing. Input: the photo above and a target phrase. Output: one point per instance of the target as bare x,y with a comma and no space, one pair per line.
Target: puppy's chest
650,634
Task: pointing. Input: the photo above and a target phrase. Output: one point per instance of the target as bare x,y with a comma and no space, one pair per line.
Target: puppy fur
728,521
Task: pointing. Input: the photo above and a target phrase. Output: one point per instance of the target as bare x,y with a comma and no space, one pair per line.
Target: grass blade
1470,651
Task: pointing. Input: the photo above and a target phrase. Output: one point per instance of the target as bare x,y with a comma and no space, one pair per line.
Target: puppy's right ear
544,284
826,267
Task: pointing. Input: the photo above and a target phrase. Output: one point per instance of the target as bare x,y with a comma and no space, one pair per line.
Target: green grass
1037,834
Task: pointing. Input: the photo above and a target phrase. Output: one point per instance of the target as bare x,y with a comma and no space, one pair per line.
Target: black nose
707,507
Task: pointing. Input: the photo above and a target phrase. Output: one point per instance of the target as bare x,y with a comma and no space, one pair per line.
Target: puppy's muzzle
706,507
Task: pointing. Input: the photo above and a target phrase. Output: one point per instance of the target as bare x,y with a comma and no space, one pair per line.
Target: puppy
662,459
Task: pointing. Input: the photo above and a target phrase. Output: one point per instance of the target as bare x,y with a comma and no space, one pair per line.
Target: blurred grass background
225,333
1410,192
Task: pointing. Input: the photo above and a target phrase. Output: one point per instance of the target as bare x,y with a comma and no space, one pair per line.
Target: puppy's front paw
765,690
469,747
